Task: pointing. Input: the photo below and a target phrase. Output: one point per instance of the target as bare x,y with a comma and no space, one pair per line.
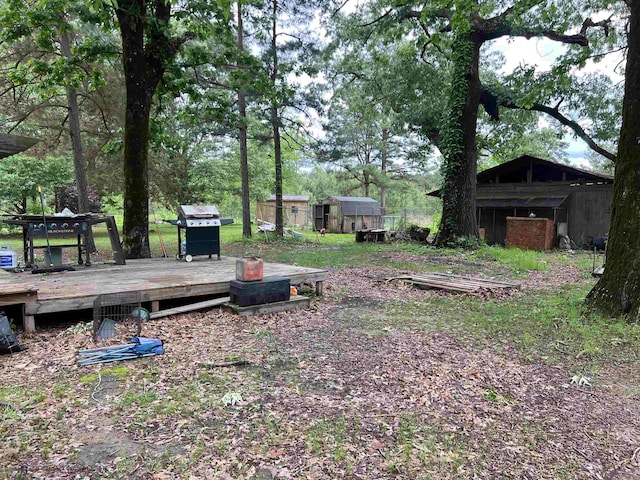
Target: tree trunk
275,123
618,290
242,137
459,147
277,153
142,74
78,154
136,178
383,168
366,182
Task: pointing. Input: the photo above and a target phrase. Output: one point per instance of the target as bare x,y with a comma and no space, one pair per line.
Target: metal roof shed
337,214
578,201
295,210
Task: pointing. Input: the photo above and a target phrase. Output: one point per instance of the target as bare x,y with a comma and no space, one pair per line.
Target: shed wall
589,212
336,222
587,209
267,211
335,216
352,223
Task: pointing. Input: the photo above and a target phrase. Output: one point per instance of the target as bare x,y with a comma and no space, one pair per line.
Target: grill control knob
76,225
53,225
41,225
65,225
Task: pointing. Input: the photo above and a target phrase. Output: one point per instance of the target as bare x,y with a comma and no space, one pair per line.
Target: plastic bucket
55,258
249,269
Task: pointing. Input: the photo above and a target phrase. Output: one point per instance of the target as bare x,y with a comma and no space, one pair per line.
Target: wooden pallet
296,301
456,283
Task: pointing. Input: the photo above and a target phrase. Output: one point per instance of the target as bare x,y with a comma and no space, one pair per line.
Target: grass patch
421,447
331,438
139,399
494,396
540,324
516,259
116,371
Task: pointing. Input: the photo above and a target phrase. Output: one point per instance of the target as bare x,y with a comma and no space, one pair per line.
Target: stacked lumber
456,283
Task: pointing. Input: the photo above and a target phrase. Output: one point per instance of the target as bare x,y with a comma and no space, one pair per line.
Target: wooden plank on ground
475,285
190,307
457,283
490,281
445,286
296,301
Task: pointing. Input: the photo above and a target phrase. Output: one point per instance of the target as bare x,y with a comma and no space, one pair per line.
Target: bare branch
441,13
379,19
575,126
500,27
337,10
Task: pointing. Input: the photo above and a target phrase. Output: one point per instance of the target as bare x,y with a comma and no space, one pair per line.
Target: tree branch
378,19
567,122
492,29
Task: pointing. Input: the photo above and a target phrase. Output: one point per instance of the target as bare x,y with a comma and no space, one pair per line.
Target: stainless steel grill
201,224
196,216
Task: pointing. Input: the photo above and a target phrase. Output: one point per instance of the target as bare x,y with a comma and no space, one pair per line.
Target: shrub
67,197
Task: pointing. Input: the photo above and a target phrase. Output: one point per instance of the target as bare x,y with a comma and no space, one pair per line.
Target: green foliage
31,34
21,175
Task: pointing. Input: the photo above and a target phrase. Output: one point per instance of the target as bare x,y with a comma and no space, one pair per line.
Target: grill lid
198,211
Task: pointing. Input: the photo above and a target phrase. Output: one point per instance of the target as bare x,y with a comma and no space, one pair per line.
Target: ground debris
341,390
456,283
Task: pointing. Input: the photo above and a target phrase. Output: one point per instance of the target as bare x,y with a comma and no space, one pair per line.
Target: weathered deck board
158,279
190,308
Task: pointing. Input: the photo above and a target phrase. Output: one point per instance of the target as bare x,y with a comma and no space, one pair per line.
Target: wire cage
113,309
8,341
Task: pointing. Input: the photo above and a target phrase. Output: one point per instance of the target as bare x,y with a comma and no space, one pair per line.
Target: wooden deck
158,279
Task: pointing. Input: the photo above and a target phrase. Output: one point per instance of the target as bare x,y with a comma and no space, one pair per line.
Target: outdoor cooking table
33,226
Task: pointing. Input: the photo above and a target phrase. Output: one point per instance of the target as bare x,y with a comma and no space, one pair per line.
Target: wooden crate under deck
158,279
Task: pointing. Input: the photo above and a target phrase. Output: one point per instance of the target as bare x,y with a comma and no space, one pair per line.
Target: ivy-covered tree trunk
618,290
459,147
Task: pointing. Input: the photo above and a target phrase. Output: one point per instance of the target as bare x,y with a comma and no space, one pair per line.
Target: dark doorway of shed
320,217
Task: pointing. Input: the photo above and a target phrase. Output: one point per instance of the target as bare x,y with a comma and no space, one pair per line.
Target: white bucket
8,258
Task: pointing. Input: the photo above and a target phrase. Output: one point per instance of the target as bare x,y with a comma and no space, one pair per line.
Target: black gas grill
201,225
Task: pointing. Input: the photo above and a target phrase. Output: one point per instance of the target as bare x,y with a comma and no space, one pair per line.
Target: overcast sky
541,52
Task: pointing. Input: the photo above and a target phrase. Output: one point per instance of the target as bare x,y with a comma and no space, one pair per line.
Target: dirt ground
362,385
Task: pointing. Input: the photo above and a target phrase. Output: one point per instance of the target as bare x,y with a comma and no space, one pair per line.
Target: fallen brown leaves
319,393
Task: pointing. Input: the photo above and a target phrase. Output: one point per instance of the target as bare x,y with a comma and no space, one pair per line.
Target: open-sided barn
347,214
295,209
577,201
